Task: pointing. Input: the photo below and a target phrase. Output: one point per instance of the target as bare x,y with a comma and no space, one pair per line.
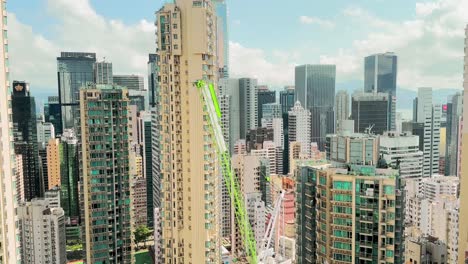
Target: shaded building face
315,89
74,70
380,73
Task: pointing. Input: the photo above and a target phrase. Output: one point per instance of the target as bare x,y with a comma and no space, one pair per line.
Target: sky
268,38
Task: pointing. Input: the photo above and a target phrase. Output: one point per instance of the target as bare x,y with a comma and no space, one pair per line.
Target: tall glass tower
315,89
74,70
24,120
380,76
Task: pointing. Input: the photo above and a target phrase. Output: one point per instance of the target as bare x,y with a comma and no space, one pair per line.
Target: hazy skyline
427,36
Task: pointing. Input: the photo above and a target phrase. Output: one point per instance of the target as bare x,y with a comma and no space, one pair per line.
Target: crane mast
210,101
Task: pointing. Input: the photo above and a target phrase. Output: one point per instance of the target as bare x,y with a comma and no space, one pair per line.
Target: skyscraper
24,119
11,249
131,82
152,79
370,110
380,76
342,107
380,73
315,89
463,219
189,165
454,120
287,102
53,113
74,70
429,114
103,72
248,102
105,174
230,107
264,96
69,173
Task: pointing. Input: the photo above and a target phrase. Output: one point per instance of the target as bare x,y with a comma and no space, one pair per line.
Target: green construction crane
209,98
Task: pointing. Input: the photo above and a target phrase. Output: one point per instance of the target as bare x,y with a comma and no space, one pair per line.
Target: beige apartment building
190,182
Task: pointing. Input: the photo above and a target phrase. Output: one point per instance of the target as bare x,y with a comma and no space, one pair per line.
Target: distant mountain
405,96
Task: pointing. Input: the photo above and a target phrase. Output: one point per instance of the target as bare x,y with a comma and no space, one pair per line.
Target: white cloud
249,62
78,28
316,21
429,46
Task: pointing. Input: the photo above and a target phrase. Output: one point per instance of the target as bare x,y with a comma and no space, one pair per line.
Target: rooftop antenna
368,130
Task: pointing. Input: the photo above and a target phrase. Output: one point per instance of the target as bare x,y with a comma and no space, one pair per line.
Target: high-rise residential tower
10,251
315,89
42,232
463,219
105,174
74,70
24,120
349,215
190,192
341,107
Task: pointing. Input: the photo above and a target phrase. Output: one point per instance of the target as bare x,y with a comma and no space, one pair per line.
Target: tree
142,233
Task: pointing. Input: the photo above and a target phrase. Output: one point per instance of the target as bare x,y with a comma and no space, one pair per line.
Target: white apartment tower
299,127
42,232
190,178
10,250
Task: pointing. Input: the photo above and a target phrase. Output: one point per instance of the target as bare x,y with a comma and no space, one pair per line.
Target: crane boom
209,99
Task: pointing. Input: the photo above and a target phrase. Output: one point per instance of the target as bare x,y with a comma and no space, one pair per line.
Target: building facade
402,150
342,107
74,70
248,105
103,72
349,215
315,89
370,110
42,232
454,120
10,252
104,143
190,227
24,121
299,120
264,96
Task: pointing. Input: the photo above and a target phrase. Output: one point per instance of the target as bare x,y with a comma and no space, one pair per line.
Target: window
175,36
174,15
174,26
341,185
389,190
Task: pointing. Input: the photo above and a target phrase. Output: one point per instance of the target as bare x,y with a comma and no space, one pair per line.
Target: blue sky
267,37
